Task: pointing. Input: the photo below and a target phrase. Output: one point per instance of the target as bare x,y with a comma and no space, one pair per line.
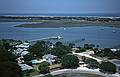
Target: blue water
92,34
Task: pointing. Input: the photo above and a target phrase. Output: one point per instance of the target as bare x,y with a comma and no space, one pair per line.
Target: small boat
64,28
114,31
102,28
82,39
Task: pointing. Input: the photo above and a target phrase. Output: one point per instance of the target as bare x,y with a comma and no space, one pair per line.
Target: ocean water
98,35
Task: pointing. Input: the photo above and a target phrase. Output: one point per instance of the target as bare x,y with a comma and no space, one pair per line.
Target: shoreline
60,15
65,24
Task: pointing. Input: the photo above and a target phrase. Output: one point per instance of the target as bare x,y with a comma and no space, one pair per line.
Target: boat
102,28
64,28
113,31
82,39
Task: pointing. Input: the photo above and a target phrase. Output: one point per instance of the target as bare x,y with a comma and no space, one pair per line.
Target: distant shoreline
65,24
61,21
63,14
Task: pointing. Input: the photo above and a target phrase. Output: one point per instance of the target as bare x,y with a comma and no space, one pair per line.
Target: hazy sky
59,6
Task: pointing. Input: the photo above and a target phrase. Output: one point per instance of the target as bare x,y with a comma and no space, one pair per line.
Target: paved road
86,55
81,70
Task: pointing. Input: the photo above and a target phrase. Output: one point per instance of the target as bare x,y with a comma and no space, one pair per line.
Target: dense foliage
38,49
92,63
107,67
70,61
71,45
89,46
106,52
44,68
8,65
80,50
10,69
28,57
60,50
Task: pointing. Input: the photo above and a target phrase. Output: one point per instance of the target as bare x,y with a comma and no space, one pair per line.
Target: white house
23,45
46,58
49,58
114,50
24,53
18,51
19,60
35,61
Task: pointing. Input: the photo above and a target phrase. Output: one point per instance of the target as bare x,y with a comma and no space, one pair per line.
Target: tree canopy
10,69
38,49
92,63
80,50
89,46
6,55
43,67
60,50
106,52
70,61
8,64
107,67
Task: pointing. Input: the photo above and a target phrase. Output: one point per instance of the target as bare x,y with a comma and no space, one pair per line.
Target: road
81,70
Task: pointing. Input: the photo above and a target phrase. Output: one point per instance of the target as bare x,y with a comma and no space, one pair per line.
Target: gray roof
49,56
25,67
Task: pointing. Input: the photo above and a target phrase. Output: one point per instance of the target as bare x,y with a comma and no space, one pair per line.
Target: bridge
47,38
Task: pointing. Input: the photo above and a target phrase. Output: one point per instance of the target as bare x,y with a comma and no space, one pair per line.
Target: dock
47,38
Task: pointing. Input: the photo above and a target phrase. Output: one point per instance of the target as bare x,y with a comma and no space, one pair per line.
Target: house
18,51
24,53
35,61
23,45
25,67
46,58
20,60
52,46
49,58
114,50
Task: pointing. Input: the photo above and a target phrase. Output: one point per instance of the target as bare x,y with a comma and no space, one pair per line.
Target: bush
80,50
44,68
107,67
10,69
92,63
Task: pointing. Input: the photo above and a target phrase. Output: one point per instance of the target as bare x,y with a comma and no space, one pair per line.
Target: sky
59,6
